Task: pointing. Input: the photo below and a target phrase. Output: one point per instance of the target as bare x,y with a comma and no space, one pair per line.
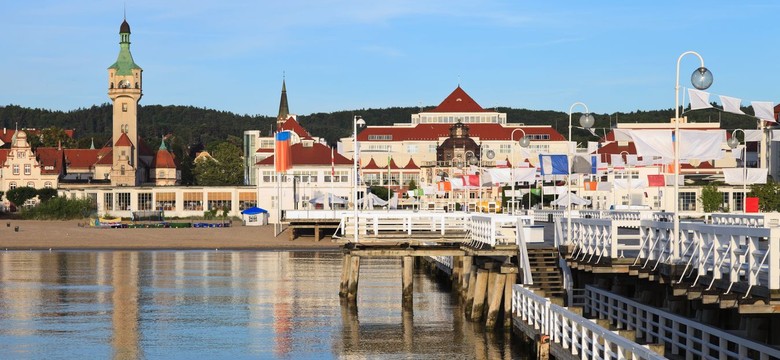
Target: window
411,177
246,200
12,185
27,169
31,184
47,185
738,198
505,148
411,149
145,201
371,179
123,201
340,176
165,201
108,201
269,176
380,137
305,176
193,201
124,107
219,201
16,169
688,201
266,144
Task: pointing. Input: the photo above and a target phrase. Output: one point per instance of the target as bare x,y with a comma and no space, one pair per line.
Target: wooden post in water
494,306
480,291
511,279
456,270
491,279
407,279
344,285
466,276
472,284
354,273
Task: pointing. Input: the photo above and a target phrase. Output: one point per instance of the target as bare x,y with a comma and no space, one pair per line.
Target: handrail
573,332
660,326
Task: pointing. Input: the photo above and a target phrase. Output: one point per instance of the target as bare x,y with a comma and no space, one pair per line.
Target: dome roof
124,28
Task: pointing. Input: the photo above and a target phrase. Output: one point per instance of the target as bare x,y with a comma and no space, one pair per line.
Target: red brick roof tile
317,154
81,158
163,160
458,101
123,140
295,127
431,132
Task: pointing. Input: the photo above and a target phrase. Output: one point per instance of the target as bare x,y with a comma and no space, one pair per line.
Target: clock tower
124,89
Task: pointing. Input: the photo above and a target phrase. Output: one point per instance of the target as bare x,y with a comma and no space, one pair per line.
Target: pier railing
495,230
573,333
654,325
753,220
544,215
731,253
373,223
594,239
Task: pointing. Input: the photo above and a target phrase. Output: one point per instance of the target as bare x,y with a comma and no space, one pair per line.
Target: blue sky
352,54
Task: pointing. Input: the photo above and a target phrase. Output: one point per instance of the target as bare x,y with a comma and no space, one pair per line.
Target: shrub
59,208
21,194
47,194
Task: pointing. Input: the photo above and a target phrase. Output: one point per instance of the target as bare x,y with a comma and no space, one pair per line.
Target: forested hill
191,125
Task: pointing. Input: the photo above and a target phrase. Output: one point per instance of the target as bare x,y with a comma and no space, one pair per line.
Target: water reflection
231,305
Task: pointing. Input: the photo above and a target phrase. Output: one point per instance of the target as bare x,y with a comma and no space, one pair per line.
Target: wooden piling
344,285
466,275
354,272
480,292
491,279
472,284
494,307
408,282
511,279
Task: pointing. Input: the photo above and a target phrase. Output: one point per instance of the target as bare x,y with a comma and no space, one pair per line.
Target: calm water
224,305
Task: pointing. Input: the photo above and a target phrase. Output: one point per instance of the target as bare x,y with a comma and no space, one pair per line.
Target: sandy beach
69,235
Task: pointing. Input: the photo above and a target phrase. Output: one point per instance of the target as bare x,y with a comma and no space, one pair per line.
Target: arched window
12,185
47,185
136,86
122,170
31,184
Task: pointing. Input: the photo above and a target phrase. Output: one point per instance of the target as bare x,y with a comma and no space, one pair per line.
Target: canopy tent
332,199
254,210
563,199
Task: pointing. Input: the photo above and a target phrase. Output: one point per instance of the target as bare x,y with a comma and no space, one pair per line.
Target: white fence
495,230
372,223
594,239
731,253
544,215
574,333
681,334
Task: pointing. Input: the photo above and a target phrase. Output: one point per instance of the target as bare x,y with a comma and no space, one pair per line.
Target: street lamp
627,171
700,79
586,122
733,143
524,142
357,120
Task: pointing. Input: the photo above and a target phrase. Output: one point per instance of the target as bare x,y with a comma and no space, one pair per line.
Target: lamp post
700,79
628,171
524,142
357,120
586,121
473,160
733,143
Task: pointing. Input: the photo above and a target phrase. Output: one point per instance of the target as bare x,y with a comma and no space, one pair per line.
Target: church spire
284,109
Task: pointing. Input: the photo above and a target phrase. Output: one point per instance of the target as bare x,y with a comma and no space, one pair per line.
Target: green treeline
191,125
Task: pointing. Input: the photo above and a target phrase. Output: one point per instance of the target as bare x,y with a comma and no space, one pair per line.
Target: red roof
392,164
371,165
295,127
123,140
50,157
6,135
264,150
433,132
411,165
81,158
107,159
3,155
458,102
317,154
163,160
143,149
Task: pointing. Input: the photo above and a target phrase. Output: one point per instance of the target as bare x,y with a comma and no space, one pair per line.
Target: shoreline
68,235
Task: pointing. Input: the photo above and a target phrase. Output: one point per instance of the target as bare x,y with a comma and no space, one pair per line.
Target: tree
711,199
54,136
47,194
225,167
769,194
21,194
412,185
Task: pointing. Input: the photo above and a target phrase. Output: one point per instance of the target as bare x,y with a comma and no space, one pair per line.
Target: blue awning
254,210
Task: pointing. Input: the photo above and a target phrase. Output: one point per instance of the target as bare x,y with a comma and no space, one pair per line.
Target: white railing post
773,247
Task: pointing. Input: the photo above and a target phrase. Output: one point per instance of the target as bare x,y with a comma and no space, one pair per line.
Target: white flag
699,99
764,110
731,104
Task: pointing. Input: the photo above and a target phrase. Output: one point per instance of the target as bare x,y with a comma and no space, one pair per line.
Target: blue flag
554,164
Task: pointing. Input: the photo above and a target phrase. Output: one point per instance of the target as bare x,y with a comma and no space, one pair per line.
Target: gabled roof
123,140
106,156
433,132
317,154
81,158
3,155
50,159
371,165
292,125
458,102
411,165
392,165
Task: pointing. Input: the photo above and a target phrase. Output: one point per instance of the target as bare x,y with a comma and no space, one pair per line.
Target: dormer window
307,143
